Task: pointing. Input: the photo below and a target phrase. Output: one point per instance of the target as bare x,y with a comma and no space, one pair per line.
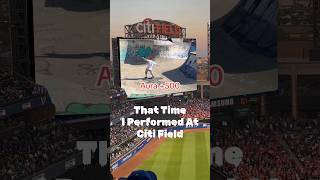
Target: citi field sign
149,28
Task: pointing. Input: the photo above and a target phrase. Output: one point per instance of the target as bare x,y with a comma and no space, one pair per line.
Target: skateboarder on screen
150,64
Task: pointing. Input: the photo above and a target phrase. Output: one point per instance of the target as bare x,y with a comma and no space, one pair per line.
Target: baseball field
182,159
175,159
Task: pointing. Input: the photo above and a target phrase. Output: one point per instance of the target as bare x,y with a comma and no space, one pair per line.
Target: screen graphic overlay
70,53
150,67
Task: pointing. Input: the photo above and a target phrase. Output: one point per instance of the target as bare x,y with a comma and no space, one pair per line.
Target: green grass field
182,159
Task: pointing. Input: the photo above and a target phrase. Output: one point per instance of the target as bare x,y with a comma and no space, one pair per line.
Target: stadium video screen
70,49
150,67
244,57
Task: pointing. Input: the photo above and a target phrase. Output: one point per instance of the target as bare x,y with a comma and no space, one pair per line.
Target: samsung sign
222,102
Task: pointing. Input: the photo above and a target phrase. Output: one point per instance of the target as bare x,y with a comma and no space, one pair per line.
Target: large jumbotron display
70,53
150,67
244,47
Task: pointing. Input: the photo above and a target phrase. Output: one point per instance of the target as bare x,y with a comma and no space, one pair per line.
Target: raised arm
145,59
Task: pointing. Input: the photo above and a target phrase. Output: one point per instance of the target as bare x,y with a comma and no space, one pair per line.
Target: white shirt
150,64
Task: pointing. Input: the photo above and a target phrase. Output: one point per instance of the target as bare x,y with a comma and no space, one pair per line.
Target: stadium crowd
124,148
13,88
196,107
273,147
32,148
9,123
122,140
121,108
304,141
119,134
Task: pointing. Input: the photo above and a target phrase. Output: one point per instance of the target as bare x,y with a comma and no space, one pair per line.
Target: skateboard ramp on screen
175,63
70,47
246,48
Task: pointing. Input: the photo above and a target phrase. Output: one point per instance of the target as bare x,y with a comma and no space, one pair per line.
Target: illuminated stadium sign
149,28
